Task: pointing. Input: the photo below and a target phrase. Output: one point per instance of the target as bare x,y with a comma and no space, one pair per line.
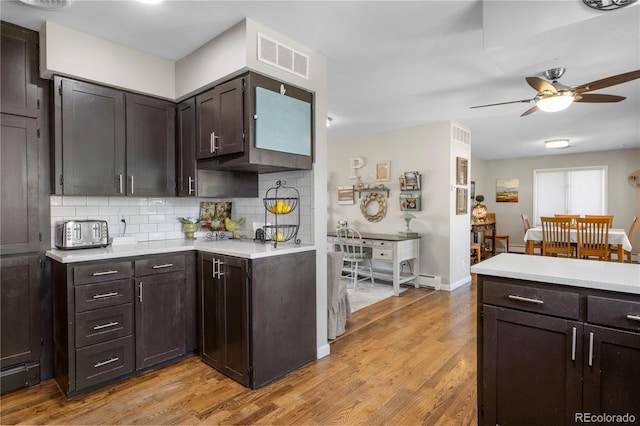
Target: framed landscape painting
507,190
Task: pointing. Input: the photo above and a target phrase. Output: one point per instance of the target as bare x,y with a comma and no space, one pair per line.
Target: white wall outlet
122,216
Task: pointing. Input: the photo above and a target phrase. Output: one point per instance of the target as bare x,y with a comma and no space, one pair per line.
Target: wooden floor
408,360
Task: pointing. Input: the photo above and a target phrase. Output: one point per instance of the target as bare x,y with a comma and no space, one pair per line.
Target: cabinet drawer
382,253
104,361
160,265
613,312
550,302
103,295
105,324
100,272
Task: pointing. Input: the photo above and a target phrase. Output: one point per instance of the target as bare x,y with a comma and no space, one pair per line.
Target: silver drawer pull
107,325
526,299
97,274
109,361
166,265
105,295
634,317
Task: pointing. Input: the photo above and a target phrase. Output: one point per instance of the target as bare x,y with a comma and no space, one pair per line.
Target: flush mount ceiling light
150,1
555,103
607,4
557,143
48,4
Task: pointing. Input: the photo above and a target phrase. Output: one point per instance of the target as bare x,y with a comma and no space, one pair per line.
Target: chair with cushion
556,236
355,254
491,217
593,237
338,306
526,226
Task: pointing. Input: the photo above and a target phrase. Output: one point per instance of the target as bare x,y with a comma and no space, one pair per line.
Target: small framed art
382,171
410,202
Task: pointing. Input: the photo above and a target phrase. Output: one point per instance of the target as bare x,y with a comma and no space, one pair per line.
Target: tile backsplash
149,219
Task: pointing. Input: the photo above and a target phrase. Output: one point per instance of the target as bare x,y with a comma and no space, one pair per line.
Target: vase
189,229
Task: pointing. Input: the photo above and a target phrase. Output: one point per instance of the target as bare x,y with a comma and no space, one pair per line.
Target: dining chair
526,226
338,305
632,229
556,236
609,216
355,253
491,217
573,217
593,237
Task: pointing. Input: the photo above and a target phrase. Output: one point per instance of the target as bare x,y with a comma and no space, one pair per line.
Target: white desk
391,248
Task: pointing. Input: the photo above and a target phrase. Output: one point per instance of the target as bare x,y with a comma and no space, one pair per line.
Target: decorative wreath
382,207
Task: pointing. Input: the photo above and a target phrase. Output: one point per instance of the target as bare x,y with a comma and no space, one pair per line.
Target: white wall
623,201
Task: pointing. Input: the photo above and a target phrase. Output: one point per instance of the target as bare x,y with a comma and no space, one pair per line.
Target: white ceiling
395,64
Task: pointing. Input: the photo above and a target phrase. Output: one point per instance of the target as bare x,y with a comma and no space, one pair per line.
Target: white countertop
613,276
240,248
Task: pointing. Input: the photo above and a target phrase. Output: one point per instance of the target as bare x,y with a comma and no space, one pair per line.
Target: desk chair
593,237
491,217
354,253
556,236
526,226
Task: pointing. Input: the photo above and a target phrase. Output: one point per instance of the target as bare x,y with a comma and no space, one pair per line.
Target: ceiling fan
553,96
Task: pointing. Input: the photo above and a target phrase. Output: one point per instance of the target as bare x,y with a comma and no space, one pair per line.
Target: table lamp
407,232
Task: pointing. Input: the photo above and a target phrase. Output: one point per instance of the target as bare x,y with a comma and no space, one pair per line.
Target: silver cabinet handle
220,273
590,349
191,188
212,146
105,295
120,184
165,265
132,184
109,361
633,317
526,299
140,292
573,344
101,326
97,274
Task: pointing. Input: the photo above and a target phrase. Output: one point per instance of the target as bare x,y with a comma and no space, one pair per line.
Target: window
569,191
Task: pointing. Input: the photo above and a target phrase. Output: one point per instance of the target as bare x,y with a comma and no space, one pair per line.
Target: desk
391,248
617,237
483,227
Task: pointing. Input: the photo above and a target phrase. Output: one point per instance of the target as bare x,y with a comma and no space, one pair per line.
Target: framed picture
472,190
410,202
410,181
461,201
461,170
507,190
212,214
382,171
346,194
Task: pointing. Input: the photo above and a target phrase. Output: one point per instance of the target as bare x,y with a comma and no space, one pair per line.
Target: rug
367,294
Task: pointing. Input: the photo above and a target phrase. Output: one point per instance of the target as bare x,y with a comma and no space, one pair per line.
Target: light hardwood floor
408,360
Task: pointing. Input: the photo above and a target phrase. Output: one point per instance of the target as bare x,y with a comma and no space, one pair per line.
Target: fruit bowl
280,205
280,233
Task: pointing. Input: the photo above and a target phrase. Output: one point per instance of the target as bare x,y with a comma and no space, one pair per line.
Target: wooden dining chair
632,229
556,236
491,217
593,237
573,217
526,226
609,216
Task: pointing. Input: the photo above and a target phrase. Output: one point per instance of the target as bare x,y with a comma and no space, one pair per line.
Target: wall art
507,190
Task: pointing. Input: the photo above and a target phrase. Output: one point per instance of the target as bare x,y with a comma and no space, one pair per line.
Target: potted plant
189,226
479,211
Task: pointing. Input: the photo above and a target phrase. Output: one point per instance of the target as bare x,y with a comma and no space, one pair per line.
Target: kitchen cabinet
547,352
117,318
19,78
108,142
258,320
186,148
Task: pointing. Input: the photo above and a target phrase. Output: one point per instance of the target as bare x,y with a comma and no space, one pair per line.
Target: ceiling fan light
557,143
555,103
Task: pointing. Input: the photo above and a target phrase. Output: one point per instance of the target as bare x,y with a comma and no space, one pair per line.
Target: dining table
617,237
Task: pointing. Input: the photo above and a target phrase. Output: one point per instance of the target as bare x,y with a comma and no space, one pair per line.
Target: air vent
461,135
48,4
283,57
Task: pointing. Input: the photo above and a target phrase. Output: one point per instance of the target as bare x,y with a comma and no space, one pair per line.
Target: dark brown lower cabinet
552,354
258,315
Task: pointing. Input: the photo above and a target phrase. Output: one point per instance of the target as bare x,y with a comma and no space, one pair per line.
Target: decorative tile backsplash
149,219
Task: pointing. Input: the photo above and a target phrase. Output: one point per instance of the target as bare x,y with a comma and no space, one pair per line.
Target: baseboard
323,351
460,283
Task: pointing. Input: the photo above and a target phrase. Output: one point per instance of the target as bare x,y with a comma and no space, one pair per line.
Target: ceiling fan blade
503,103
594,97
607,82
540,85
530,111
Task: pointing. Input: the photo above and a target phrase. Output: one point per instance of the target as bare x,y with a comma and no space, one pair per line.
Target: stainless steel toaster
75,234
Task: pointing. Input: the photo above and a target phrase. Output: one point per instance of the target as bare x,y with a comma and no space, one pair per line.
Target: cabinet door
211,311
150,147
19,63
220,120
186,148
19,231
90,139
159,318
532,368
611,371
20,310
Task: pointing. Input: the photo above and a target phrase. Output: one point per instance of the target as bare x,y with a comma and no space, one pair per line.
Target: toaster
76,234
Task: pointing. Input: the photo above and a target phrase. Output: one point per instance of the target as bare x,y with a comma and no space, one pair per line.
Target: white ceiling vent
283,57
461,135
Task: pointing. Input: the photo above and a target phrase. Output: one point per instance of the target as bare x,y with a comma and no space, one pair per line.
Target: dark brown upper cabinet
18,82
186,148
220,120
108,142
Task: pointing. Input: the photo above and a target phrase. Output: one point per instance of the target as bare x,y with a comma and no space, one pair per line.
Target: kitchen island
558,340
